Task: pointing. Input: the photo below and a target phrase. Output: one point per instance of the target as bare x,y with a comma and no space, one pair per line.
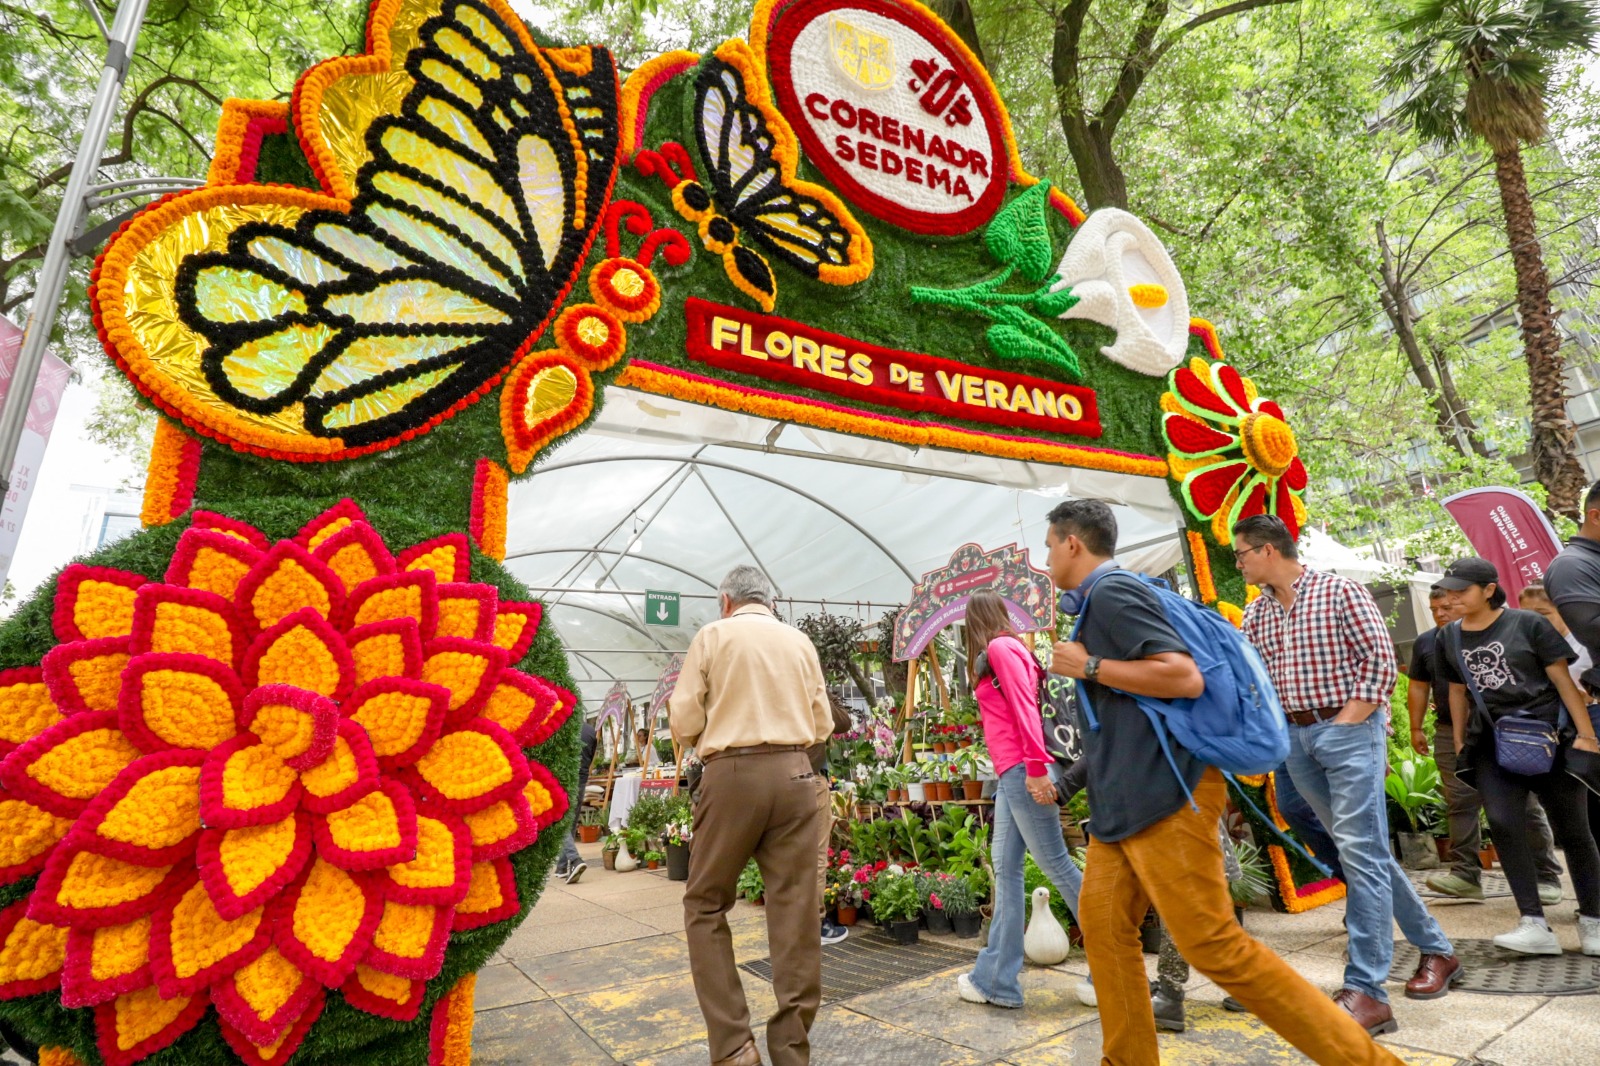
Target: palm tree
1478,70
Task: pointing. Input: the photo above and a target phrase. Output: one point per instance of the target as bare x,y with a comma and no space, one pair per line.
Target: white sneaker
1086,993
1533,937
1589,934
968,991
1549,894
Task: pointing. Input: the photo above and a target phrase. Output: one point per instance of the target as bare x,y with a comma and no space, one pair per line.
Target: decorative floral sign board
940,599
279,774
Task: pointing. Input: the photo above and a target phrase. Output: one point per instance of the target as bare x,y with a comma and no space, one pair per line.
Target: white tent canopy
663,495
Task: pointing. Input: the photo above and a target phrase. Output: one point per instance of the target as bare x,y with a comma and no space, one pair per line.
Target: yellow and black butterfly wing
470,220
750,152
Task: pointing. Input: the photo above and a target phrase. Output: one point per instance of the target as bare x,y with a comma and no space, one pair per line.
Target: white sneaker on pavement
969,991
1086,993
1531,937
1589,934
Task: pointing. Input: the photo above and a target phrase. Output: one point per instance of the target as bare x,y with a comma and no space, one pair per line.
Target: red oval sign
892,110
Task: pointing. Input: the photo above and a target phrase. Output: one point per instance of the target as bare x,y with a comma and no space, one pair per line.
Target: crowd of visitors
1505,688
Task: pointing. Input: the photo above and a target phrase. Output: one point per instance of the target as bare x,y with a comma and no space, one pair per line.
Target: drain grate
869,961
1490,970
1495,885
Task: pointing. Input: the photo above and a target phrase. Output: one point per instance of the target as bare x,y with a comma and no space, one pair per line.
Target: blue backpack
1237,723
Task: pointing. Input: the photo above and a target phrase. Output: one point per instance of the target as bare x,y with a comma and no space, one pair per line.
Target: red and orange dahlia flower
285,768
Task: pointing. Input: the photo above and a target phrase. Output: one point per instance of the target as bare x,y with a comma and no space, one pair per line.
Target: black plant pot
1150,935
904,932
677,862
938,921
966,926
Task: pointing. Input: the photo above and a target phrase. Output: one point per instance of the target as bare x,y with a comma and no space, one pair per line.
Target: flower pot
1417,851
938,921
652,864
972,790
1488,856
966,926
759,901
945,791
588,834
847,914
895,796
677,862
1445,847
608,858
914,792
904,932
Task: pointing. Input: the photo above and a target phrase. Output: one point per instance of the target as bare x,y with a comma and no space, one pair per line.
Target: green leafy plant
654,856
1413,785
750,886
956,897
1019,238
649,815
914,841
638,843
895,897
1254,880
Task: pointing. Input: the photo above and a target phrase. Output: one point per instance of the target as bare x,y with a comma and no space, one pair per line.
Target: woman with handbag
1509,686
1027,819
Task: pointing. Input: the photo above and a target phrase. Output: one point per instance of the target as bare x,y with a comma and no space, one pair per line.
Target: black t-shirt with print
1508,661
1131,787
1424,669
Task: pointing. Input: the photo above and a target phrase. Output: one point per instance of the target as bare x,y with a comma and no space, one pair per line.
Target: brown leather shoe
1434,976
745,1056
1372,1015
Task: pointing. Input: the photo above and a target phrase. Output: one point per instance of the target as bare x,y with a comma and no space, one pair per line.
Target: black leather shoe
1168,1010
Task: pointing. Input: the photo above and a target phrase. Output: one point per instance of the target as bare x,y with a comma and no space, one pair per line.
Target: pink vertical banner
1508,529
47,393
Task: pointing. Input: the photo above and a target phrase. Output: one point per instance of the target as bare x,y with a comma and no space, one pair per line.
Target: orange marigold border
450,1038
693,388
170,479
490,485
1203,578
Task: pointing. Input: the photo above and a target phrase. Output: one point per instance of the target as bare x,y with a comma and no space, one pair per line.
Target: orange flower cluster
490,485
170,479
285,768
666,381
1203,578
239,137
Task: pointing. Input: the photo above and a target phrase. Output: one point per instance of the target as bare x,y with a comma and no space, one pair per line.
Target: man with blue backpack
1328,649
1169,698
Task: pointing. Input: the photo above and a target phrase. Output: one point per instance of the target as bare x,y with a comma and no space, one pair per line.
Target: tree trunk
1395,298
957,14
1459,411
1104,184
1555,459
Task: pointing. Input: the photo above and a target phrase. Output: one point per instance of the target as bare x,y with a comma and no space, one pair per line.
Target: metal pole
53,273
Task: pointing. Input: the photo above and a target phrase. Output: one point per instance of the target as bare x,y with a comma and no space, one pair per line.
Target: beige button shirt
750,679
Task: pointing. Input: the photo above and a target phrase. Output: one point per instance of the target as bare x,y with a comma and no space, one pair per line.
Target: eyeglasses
1247,551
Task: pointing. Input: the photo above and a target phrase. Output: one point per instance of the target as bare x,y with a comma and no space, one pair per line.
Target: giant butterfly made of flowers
281,769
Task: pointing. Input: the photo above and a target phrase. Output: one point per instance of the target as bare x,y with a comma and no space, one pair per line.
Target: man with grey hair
751,699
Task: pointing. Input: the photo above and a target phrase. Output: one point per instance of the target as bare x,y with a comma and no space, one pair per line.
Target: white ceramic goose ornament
1045,942
625,860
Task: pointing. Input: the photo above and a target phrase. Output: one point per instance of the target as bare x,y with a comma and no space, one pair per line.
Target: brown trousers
762,806
1176,865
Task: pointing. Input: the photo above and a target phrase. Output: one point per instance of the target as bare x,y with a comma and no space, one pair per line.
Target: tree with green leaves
1479,69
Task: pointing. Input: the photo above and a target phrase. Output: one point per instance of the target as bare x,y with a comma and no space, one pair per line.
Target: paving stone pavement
599,975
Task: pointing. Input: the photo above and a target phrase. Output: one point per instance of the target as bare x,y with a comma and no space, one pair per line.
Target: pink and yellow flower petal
297,724
330,523
400,595
384,994
86,676
31,835
288,579
244,782
324,923
349,772
262,998
232,527
149,814
491,896
355,555
212,562
86,890
468,668
104,963
173,619
137,1024
303,650
391,648
244,868
547,799
411,939
375,831
529,708
179,701
515,626
26,708
402,717
191,945
448,558
281,1049
471,768
94,602
467,610
69,764
441,873
32,953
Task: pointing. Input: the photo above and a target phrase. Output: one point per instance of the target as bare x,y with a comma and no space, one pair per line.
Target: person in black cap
1516,665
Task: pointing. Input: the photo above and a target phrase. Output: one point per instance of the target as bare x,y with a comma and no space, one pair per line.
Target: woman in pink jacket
1027,819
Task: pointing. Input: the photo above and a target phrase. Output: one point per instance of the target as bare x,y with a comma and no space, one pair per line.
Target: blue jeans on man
1021,827
1303,820
1339,769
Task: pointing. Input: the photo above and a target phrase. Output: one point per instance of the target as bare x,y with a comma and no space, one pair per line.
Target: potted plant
1488,854
750,886
634,845
652,860
894,780
895,903
969,762
942,782
608,850
1255,877
958,901
932,888
589,827
1413,786
678,833
916,786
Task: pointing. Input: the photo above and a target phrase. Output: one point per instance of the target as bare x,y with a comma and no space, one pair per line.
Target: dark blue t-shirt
1131,787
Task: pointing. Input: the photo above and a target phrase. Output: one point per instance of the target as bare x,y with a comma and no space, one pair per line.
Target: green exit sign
661,608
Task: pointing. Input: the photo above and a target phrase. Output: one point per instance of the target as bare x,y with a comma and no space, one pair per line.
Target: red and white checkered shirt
1330,647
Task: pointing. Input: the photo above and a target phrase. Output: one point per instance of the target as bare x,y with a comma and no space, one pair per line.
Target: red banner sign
1509,530
745,342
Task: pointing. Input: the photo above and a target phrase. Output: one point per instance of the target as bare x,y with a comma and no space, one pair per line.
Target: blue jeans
1303,820
1339,769
1021,826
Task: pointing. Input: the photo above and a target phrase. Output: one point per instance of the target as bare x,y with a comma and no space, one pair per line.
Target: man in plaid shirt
1329,654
